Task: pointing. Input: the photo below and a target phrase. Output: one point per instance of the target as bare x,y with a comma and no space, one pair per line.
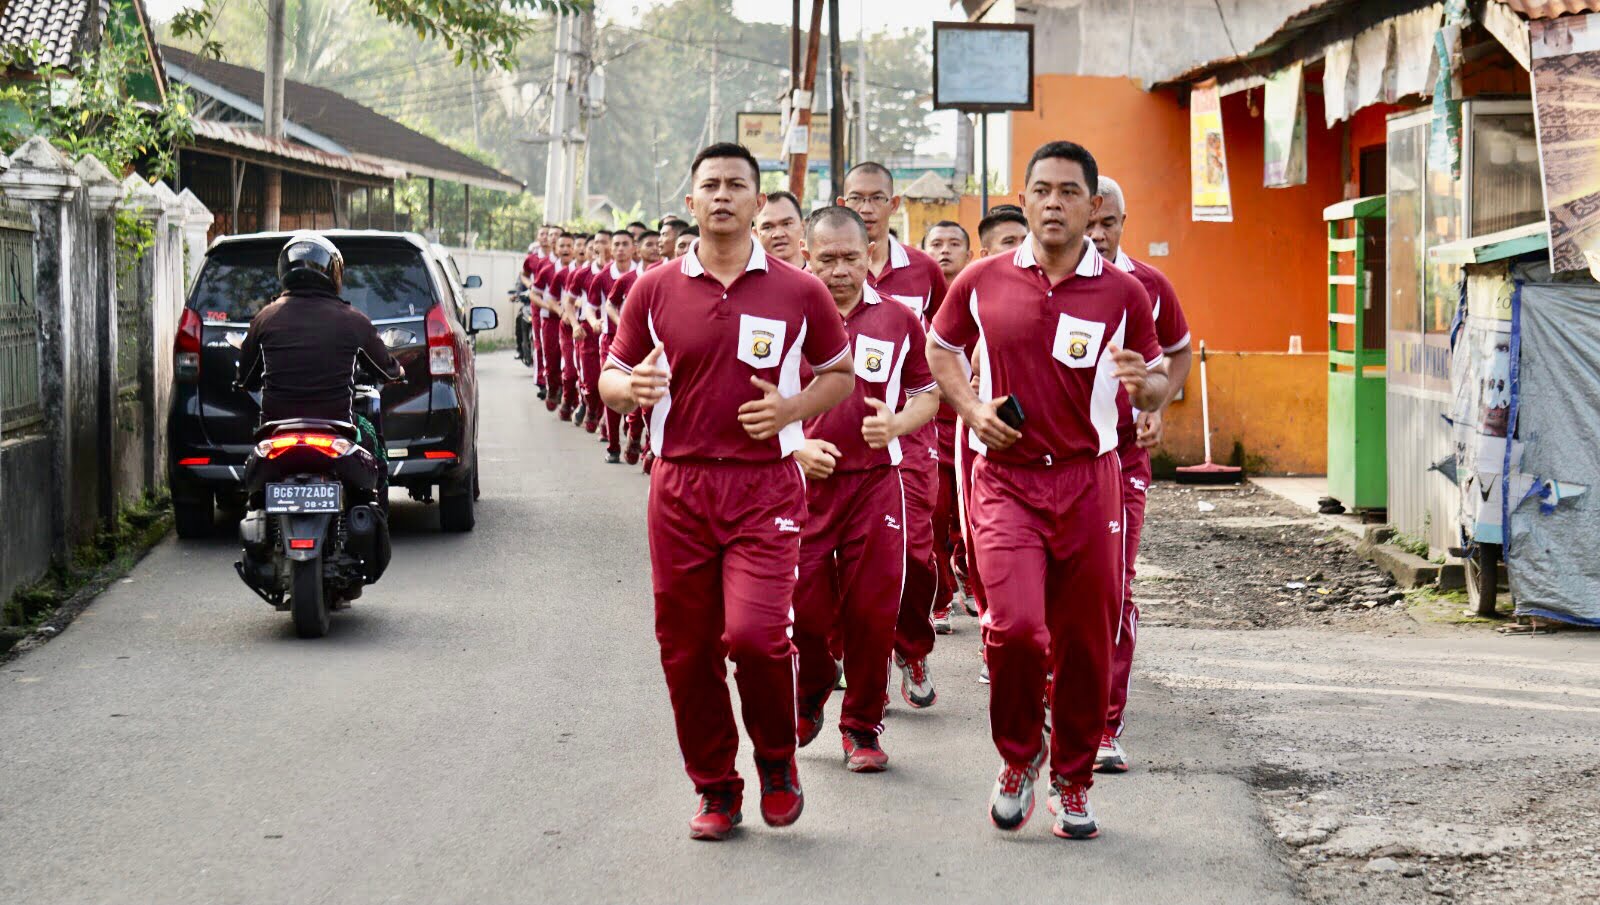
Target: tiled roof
360,130
65,28
1549,9
233,136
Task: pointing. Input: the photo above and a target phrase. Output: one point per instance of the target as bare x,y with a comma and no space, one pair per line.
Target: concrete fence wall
103,328
499,270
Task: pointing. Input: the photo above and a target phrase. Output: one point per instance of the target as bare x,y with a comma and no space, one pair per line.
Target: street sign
981,67
762,133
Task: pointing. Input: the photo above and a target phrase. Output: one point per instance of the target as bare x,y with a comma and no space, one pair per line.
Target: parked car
413,294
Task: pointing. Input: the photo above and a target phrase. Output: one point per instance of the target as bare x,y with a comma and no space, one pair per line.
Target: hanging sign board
762,133
1285,128
1208,158
1566,65
980,67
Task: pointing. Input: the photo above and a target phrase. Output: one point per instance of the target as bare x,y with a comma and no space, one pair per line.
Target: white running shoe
916,682
1070,803
942,624
1110,758
1011,802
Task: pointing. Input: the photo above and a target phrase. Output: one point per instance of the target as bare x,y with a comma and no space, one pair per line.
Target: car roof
414,240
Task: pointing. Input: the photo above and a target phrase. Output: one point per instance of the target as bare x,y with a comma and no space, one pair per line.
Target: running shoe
983,674
941,622
808,720
541,391
1011,803
839,684
1069,801
916,683
719,813
578,414
565,413
1110,758
613,457
781,797
631,456
862,753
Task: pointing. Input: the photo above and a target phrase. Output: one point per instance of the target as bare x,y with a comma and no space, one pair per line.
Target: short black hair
601,232
630,226
559,230
672,221
1067,150
868,166
690,231
563,234
947,224
996,217
786,196
727,149
833,214
621,234
648,232
1006,207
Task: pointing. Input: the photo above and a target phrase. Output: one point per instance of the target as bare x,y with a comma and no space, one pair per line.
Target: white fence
499,271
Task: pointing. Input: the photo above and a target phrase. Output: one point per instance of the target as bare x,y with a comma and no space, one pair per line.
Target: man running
950,247
853,551
1136,432
586,335
548,284
1059,332
649,249
602,315
780,226
909,277
685,240
714,344
1003,230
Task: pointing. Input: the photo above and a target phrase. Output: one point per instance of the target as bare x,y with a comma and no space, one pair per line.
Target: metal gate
19,327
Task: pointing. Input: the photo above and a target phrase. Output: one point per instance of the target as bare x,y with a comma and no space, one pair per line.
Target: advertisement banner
762,133
1208,158
1566,67
1285,124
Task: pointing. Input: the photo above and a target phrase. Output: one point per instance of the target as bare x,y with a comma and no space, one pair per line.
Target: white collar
869,295
897,254
595,268
1089,265
617,274
693,268
1123,262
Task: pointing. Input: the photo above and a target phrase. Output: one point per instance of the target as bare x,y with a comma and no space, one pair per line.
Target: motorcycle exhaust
368,539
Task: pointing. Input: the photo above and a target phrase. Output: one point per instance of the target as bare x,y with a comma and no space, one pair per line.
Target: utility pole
579,172
555,181
863,133
272,111
836,102
713,113
799,133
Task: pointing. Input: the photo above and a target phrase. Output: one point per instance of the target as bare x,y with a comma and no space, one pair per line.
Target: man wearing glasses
910,277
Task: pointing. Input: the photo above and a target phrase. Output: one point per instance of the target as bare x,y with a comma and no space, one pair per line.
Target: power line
685,42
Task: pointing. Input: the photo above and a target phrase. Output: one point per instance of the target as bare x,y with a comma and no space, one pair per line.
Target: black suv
430,419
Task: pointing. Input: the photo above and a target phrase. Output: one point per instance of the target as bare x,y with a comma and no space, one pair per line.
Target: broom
1210,472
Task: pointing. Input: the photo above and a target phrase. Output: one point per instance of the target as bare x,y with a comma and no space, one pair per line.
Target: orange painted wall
1274,405
1245,285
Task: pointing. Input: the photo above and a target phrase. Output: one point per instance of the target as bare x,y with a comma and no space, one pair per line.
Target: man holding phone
1061,331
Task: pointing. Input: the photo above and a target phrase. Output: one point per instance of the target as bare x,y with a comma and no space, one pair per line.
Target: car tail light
196,460
302,543
438,454
186,348
332,447
441,344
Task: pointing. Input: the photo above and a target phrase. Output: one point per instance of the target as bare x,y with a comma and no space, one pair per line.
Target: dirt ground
1400,756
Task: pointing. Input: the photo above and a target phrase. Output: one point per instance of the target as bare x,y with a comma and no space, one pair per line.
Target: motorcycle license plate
304,498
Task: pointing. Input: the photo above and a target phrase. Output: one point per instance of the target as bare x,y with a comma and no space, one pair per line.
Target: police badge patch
874,358
760,341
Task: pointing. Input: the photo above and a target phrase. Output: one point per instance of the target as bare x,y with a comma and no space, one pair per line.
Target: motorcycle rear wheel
308,602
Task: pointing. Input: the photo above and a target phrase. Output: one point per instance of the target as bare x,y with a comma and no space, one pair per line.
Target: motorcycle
525,325
317,529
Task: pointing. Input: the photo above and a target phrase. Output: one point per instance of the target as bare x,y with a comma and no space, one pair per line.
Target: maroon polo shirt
601,289
1046,345
1172,328
889,349
714,339
913,279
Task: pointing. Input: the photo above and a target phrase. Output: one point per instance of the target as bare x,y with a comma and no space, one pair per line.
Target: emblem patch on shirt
1078,341
914,302
760,341
874,358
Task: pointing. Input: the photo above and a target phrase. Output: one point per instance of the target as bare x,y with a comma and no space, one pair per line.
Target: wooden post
802,113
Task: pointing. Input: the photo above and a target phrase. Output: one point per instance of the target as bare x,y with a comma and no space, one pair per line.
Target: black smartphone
1010,412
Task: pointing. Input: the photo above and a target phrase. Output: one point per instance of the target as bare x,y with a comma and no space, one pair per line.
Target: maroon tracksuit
915,280
1172,332
1046,512
726,511
853,551
549,327
635,419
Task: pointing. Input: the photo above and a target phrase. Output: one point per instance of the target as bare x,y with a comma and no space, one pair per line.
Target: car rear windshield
383,280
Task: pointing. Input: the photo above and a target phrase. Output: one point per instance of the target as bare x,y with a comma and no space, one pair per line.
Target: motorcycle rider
304,349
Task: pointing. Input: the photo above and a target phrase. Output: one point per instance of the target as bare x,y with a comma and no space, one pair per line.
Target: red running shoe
781,797
631,456
719,813
565,413
862,753
649,461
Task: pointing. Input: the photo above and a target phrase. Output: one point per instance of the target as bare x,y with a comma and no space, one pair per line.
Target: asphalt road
489,724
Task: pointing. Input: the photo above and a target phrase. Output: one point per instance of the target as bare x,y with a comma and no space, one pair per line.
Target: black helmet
310,261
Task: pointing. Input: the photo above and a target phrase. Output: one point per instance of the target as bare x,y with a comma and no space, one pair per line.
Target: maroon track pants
550,360
1049,542
1135,481
724,546
588,353
964,459
919,475
852,563
569,368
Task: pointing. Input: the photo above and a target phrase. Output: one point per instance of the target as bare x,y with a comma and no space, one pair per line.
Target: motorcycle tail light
330,446
297,543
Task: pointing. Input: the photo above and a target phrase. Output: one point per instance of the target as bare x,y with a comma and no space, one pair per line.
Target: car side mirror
482,318
473,282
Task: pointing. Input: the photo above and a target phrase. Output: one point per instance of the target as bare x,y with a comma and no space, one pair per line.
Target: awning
287,155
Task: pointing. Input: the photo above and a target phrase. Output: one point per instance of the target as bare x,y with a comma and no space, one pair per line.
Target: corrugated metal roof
65,28
1550,9
245,139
